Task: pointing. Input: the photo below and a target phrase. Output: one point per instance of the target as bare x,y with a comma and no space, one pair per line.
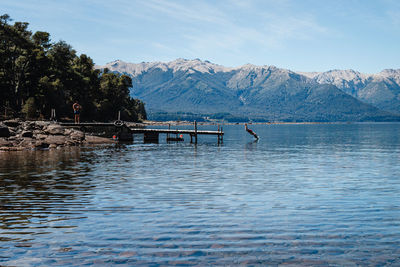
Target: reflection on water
39,188
301,195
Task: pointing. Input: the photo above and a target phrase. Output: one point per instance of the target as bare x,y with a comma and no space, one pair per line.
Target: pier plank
152,132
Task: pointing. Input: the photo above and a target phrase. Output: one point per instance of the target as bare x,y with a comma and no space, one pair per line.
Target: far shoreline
188,123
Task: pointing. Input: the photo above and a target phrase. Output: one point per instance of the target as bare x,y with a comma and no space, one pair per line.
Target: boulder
41,124
26,142
90,139
4,142
55,139
77,135
52,146
41,144
27,134
12,123
29,126
72,143
68,131
12,148
12,132
41,136
4,131
54,129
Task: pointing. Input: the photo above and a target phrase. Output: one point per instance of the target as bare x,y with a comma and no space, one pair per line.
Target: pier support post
124,133
222,135
151,138
195,132
219,135
169,128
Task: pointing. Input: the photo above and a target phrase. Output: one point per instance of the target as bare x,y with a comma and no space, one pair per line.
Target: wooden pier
125,133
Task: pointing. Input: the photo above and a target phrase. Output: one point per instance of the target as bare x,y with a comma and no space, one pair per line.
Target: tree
114,90
37,75
29,109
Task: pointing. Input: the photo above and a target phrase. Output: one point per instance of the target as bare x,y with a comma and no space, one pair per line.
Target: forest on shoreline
37,75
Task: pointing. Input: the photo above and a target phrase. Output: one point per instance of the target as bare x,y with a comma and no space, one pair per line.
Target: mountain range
195,88
381,90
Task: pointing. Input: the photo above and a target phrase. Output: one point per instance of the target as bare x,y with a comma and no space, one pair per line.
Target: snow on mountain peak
346,75
196,65
340,78
179,64
390,74
252,67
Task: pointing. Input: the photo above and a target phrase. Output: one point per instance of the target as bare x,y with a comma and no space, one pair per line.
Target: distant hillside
249,92
381,90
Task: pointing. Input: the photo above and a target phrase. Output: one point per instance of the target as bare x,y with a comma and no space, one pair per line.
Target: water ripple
312,195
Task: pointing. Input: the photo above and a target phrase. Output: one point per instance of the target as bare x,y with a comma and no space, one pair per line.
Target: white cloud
237,24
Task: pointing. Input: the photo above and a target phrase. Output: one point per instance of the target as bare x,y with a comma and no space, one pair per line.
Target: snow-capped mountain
257,92
343,79
177,65
381,89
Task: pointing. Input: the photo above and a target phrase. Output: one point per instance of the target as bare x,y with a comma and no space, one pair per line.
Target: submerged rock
41,144
55,139
12,148
90,139
52,146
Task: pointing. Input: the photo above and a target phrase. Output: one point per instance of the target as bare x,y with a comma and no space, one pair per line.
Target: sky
300,35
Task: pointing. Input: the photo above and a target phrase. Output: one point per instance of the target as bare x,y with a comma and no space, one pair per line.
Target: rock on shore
18,135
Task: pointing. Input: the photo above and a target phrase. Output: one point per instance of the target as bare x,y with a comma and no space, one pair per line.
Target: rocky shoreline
16,135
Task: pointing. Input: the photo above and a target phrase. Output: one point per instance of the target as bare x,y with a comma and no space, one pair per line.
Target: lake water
326,194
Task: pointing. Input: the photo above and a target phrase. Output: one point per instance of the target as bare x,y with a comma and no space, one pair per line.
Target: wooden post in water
195,132
220,135
151,137
219,132
169,128
124,133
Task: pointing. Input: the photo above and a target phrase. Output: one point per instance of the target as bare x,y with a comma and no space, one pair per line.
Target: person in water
77,111
250,131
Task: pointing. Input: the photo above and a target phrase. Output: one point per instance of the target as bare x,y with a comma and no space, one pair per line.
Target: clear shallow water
302,195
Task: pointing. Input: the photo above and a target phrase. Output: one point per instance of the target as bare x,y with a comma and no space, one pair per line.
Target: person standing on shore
77,111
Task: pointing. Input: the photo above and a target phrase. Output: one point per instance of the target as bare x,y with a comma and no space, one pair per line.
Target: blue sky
301,35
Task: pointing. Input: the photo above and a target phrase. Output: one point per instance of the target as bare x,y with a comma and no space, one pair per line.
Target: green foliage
29,108
37,75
